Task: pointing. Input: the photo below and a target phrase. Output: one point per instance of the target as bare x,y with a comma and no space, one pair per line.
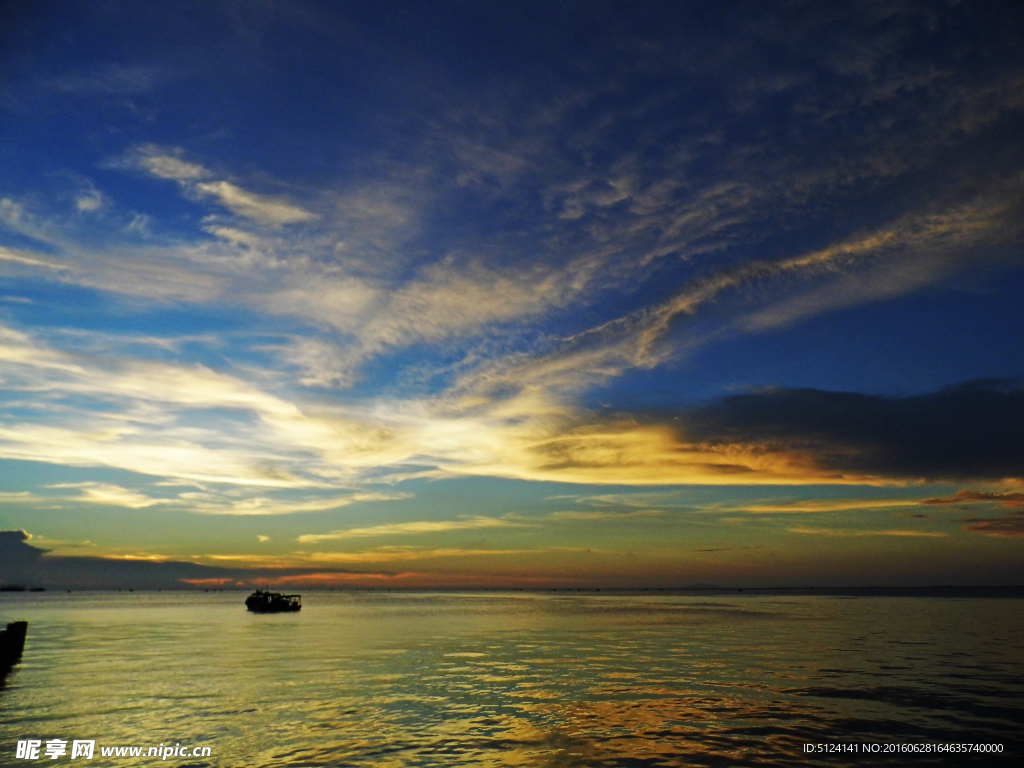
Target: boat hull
265,609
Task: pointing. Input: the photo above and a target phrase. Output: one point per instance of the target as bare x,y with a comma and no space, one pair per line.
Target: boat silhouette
262,601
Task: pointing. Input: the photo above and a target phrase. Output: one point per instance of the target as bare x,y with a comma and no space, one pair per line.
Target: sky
462,294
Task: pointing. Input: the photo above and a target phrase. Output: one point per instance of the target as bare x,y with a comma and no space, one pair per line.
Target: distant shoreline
1016,592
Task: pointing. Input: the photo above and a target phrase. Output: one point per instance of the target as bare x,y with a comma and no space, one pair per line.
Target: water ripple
365,679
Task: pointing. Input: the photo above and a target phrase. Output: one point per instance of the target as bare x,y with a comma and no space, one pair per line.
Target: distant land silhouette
23,564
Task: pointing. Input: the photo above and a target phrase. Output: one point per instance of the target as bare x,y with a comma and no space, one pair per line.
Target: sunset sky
512,294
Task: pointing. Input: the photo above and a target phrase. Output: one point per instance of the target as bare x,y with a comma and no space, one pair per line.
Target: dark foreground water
492,679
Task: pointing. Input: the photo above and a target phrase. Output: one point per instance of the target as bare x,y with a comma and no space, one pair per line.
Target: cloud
259,208
238,501
677,501
845,532
644,499
1011,526
918,249
113,495
923,244
581,515
463,298
210,504
151,422
199,181
773,436
412,528
148,421
17,556
88,201
456,301
967,431
376,555
400,554
320,363
152,417
15,496
166,271
815,506
520,254
28,258
1007,500
166,164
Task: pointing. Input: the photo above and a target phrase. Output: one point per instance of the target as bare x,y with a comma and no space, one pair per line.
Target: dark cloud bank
973,431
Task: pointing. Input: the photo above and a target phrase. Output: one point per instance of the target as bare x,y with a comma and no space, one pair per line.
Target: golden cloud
411,528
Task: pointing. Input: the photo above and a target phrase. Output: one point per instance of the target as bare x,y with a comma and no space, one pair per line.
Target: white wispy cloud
212,504
89,200
146,422
198,180
167,164
238,503
646,499
259,208
411,528
113,495
28,258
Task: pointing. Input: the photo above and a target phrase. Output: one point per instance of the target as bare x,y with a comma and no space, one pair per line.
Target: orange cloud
209,582
1012,526
966,496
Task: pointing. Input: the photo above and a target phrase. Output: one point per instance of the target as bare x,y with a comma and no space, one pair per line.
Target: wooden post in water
12,643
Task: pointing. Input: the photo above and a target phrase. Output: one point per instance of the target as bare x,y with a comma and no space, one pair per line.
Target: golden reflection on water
513,679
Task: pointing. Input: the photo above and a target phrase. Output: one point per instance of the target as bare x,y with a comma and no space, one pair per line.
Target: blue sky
478,293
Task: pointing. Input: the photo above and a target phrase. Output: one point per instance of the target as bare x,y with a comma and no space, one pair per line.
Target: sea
557,678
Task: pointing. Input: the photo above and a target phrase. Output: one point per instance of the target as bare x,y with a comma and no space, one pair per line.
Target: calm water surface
408,679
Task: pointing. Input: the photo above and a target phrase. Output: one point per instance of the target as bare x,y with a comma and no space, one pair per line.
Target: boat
262,601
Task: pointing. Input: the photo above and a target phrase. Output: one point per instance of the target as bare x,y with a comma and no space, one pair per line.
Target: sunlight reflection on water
493,679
